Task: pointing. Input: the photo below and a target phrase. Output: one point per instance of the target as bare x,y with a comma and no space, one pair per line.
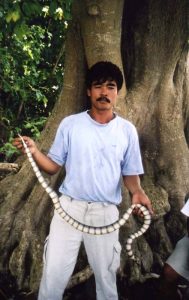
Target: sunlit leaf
13,16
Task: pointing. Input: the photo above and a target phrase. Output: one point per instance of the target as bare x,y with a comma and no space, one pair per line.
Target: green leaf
21,30
13,16
32,9
53,6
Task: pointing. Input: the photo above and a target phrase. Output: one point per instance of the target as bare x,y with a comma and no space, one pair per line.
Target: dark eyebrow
111,84
98,82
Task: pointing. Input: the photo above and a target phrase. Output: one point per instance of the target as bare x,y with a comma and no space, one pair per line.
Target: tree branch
8,167
80,277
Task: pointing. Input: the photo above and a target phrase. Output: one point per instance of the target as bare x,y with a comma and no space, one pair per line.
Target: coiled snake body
85,228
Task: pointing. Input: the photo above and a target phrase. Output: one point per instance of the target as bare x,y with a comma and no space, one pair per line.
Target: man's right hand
17,142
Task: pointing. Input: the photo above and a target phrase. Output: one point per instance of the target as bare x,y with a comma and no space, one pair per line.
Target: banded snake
85,228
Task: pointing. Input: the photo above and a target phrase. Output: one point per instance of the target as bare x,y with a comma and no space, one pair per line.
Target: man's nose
104,90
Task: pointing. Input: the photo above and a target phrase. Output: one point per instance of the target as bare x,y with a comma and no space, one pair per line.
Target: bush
31,67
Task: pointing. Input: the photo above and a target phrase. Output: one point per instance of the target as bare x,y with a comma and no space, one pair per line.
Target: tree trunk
148,40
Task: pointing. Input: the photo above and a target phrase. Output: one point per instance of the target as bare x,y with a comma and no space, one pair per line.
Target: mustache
103,99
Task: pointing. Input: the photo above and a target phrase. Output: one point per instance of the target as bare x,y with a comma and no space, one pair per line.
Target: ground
85,291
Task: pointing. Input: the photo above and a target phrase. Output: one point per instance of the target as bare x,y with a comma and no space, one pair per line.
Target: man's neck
101,117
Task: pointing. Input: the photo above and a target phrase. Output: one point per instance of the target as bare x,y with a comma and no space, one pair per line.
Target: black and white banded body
85,228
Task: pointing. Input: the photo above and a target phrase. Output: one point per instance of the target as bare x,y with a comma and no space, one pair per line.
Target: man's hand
132,183
139,197
17,142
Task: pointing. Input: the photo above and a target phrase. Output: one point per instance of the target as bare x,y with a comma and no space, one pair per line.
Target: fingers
149,206
18,143
138,212
145,202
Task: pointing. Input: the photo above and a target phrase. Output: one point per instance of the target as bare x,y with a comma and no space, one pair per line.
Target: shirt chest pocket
116,152
110,153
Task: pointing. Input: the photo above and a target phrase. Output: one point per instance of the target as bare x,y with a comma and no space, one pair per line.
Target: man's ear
88,92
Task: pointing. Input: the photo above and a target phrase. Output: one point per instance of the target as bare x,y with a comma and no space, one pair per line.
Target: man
98,148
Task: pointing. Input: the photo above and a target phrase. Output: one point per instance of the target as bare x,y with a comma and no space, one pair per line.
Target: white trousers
62,247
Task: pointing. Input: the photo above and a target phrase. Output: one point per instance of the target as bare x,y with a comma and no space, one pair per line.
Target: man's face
103,95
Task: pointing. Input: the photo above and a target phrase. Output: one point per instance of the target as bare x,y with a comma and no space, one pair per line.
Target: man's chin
104,108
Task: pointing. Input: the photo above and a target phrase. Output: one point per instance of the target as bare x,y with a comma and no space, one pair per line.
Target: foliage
31,66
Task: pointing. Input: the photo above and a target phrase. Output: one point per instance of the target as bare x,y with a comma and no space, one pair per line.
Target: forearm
132,183
45,163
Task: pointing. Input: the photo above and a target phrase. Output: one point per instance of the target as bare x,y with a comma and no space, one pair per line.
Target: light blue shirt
96,156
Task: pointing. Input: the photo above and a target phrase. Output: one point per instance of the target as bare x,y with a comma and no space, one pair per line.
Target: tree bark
148,40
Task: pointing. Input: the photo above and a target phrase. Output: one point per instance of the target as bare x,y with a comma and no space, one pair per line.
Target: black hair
103,71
